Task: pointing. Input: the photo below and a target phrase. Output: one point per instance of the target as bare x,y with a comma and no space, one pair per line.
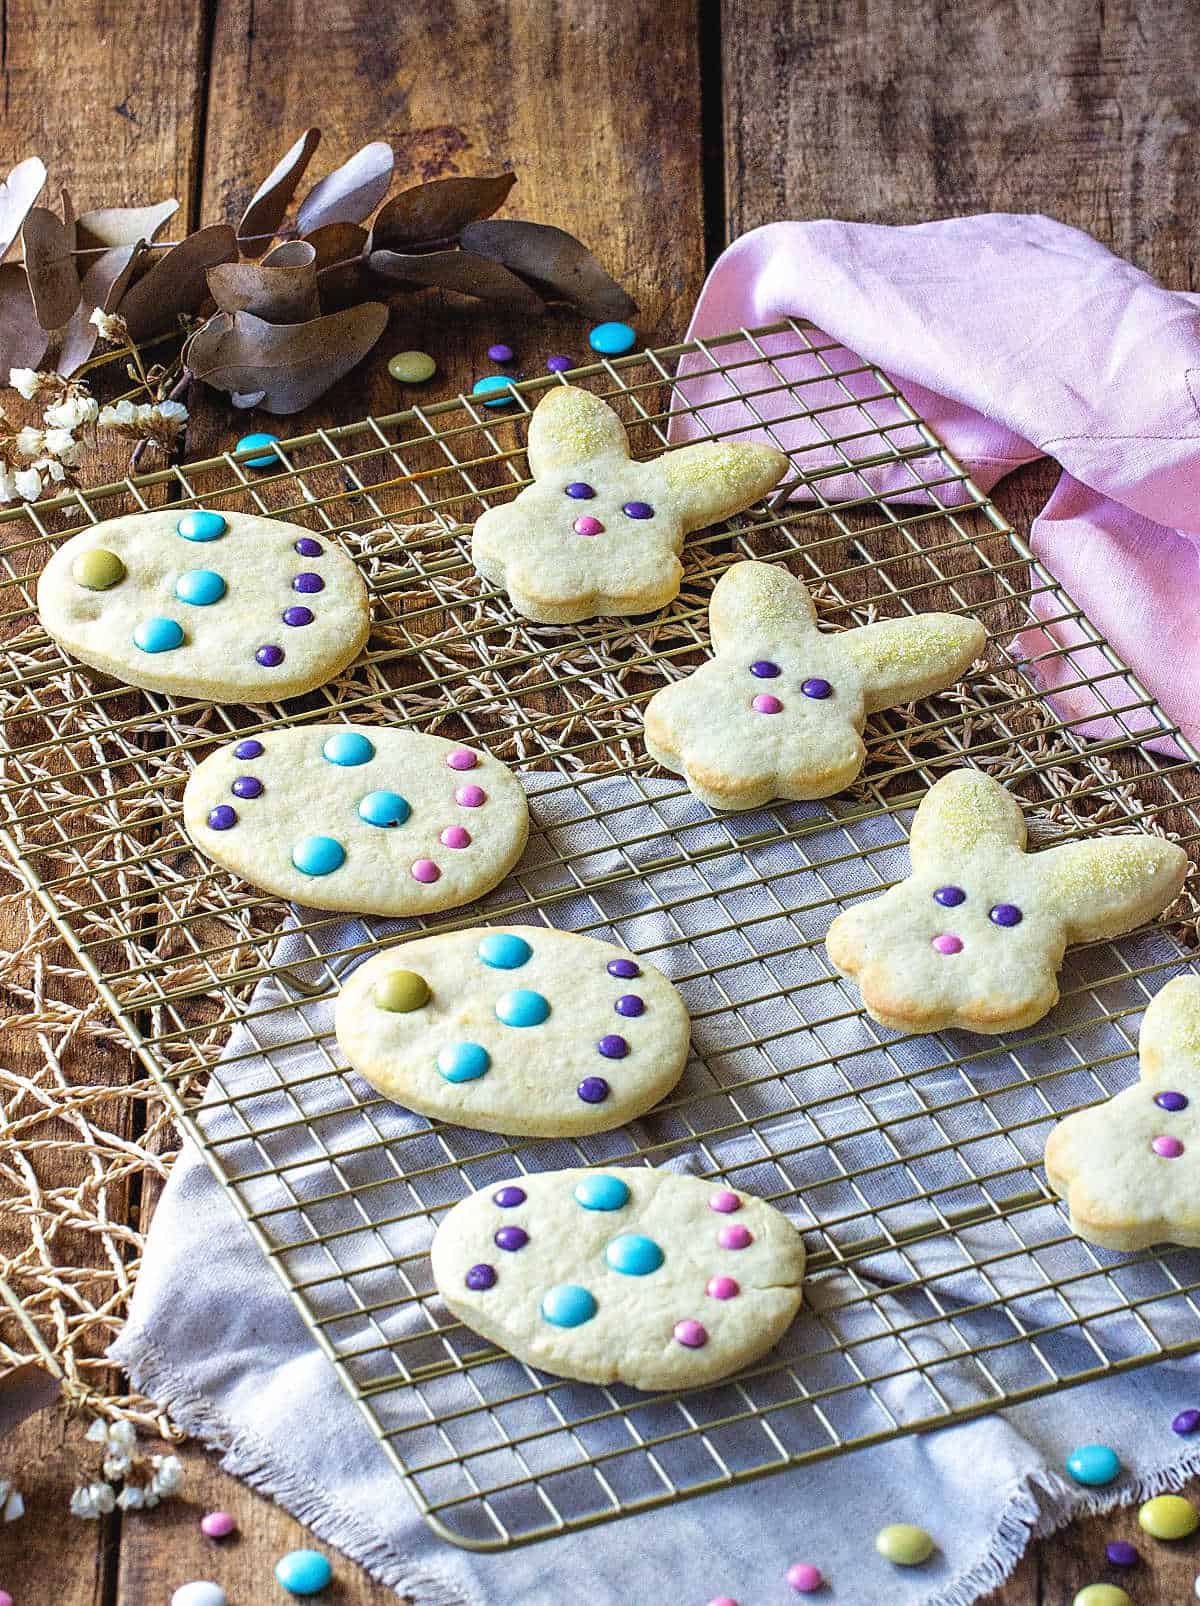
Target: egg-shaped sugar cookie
361,818
516,1029
625,1275
225,606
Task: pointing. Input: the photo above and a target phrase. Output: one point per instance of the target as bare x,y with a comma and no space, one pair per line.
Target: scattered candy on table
260,438
1186,1422
804,1578
1169,1516
201,1592
5,1598
1121,1553
1094,1464
558,365
500,353
216,1525
411,367
611,339
488,387
904,1544
303,1572
1102,1595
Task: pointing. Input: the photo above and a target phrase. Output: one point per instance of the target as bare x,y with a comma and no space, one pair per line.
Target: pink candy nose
587,525
948,943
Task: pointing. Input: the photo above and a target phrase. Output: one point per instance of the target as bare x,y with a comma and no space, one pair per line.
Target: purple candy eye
248,749
508,1198
307,547
638,510
580,491
1005,914
481,1277
949,897
624,968
764,669
1171,1101
818,688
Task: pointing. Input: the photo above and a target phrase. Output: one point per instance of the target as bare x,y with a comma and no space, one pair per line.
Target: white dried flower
168,1474
93,1500
72,412
116,1466
62,444
28,483
123,1436
53,471
173,410
110,324
26,381
133,1497
115,415
11,1504
98,1432
29,441
8,484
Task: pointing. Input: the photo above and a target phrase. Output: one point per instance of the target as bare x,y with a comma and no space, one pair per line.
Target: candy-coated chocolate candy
630,1005
1169,1516
463,1062
317,855
817,688
411,367
269,656
558,364
223,817
692,1335
1187,1421
613,1046
1171,1101
611,339
509,1197
593,1090
633,1255
259,438
158,635
587,525
308,548
384,808
217,1524
723,1288
250,748
480,1277
624,969
201,1592
764,703
348,747
735,1236
470,797
637,510
5,1598
425,871
904,1544
1121,1553
502,951
496,389
804,1578
602,1192
98,569
511,1238
1094,1464
200,587
200,525
1166,1147
307,583
500,353
568,1305
724,1202
303,1572
522,1007
947,943
462,758
455,836
1005,914
722,1600
764,669
1102,1595
949,897
297,616
401,991
247,786
580,491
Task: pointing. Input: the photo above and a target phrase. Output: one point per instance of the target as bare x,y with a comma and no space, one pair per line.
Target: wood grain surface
654,130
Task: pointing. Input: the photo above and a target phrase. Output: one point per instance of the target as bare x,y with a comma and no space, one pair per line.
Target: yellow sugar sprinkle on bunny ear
1171,1026
963,811
569,426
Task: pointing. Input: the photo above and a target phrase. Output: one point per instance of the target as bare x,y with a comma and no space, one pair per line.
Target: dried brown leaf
270,200
554,261
434,213
23,341
287,365
340,262
351,192
104,283
122,225
53,277
282,288
463,271
176,283
18,192
25,1390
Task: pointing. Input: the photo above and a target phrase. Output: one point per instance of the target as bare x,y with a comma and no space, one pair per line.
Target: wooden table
656,131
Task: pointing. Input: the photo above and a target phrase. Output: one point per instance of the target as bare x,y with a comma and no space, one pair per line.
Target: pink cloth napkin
1013,336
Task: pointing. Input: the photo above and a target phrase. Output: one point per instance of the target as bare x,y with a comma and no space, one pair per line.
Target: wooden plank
48,1555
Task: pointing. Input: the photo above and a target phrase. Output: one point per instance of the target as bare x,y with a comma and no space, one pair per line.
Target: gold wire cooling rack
943,1282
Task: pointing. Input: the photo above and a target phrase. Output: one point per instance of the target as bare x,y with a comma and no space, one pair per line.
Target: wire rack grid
943,1282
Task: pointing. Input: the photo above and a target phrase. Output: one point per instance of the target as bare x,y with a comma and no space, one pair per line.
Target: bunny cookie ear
1111,884
964,811
569,427
1169,1040
901,659
758,601
712,480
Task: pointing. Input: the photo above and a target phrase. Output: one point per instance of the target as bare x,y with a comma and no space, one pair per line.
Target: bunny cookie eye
1005,914
949,897
764,669
638,510
580,491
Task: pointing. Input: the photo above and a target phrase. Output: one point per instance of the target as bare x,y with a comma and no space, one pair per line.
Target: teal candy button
318,855
303,1572
349,748
611,339
1094,1464
463,1062
201,526
158,635
248,442
601,1192
502,951
200,587
567,1305
491,387
522,1007
634,1256
383,808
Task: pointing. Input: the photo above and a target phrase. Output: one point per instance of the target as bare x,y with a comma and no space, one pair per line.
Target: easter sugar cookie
361,818
225,606
1130,1169
516,1029
625,1275
778,711
599,534
975,936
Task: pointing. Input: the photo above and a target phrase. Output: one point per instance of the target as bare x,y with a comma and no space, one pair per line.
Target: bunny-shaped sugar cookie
1130,1169
598,534
779,710
975,935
